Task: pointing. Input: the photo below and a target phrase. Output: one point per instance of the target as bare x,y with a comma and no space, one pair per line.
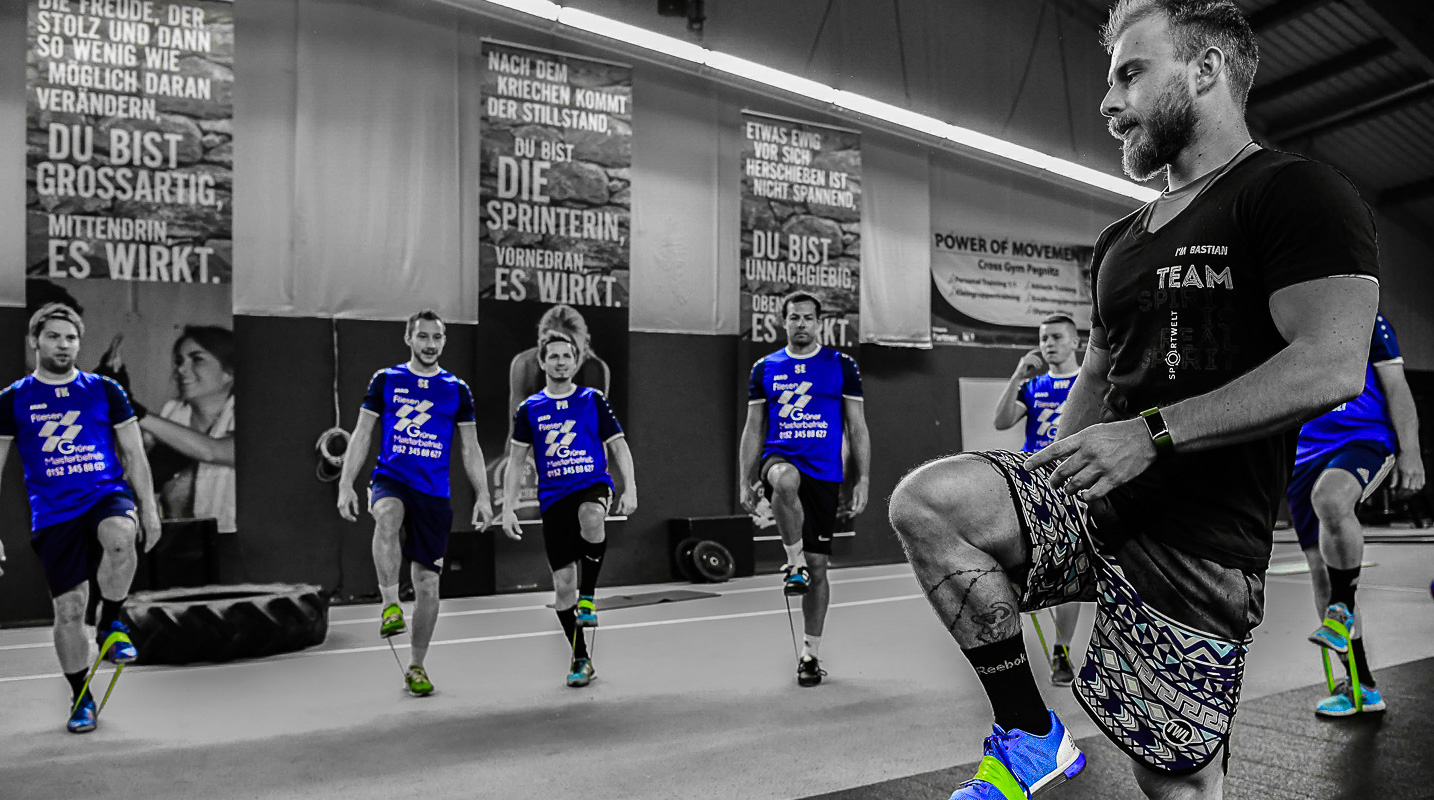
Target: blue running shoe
1342,703
581,673
1017,765
1334,632
587,612
115,644
796,581
82,717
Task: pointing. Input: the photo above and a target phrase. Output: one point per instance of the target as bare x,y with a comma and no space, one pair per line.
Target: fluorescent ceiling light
631,34
786,81
861,104
538,8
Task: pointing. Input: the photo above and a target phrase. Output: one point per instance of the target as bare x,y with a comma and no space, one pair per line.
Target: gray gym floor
695,699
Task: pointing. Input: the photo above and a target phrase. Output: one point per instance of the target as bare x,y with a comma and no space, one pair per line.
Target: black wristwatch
1159,432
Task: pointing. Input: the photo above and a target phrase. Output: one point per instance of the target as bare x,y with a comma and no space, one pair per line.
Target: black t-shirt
1186,310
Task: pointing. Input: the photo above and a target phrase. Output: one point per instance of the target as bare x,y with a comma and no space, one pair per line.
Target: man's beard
1168,129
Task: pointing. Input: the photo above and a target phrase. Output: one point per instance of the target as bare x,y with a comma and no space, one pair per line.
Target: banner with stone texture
129,220
130,128
555,178
801,226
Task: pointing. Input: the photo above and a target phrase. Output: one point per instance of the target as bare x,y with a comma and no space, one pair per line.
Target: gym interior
355,166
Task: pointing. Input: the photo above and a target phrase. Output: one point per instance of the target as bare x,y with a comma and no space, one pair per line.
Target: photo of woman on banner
191,439
525,379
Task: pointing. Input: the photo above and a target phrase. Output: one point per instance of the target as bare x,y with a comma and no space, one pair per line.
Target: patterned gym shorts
1163,691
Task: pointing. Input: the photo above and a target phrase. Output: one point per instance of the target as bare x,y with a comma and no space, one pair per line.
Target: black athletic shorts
1163,671
70,551
820,500
563,530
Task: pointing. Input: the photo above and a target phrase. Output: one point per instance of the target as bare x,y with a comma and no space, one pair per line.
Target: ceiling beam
1410,92
1407,192
1271,17
1360,56
1412,30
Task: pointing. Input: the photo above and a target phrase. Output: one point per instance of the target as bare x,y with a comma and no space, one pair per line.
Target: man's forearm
1405,416
354,456
1295,385
512,474
747,455
1008,409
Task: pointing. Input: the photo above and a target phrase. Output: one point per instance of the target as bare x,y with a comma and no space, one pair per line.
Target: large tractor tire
222,623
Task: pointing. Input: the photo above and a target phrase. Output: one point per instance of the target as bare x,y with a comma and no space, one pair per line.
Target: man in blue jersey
1039,398
1341,458
85,471
801,401
573,436
421,407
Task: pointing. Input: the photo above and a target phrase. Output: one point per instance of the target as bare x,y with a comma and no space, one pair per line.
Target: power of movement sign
995,290
801,225
556,176
130,129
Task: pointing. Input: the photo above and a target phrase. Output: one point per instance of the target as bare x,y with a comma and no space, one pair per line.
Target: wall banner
995,290
555,204
129,220
801,226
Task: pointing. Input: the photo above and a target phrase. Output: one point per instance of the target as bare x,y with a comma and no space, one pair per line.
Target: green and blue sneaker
587,612
1343,703
1018,765
581,673
1334,632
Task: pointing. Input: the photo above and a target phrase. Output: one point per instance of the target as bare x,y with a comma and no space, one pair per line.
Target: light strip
787,82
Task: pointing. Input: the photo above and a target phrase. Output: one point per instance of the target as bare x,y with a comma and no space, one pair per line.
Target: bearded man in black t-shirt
1234,306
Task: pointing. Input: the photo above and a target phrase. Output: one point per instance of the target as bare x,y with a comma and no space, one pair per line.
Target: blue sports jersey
567,434
419,415
804,396
66,437
1364,418
1044,397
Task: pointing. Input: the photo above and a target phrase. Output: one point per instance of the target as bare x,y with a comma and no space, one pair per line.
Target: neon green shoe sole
392,624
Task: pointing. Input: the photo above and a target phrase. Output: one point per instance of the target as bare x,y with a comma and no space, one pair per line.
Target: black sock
109,612
1341,585
569,619
591,564
1005,673
77,682
1360,662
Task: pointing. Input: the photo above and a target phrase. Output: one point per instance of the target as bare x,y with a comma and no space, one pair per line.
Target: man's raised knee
388,516
117,535
944,489
785,479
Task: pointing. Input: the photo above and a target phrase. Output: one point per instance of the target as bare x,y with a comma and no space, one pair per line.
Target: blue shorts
70,551
1366,460
427,518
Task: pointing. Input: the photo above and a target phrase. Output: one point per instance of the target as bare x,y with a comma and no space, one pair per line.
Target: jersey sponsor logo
1065,384
1046,422
1203,250
1181,277
39,406
56,439
794,400
558,439
413,426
